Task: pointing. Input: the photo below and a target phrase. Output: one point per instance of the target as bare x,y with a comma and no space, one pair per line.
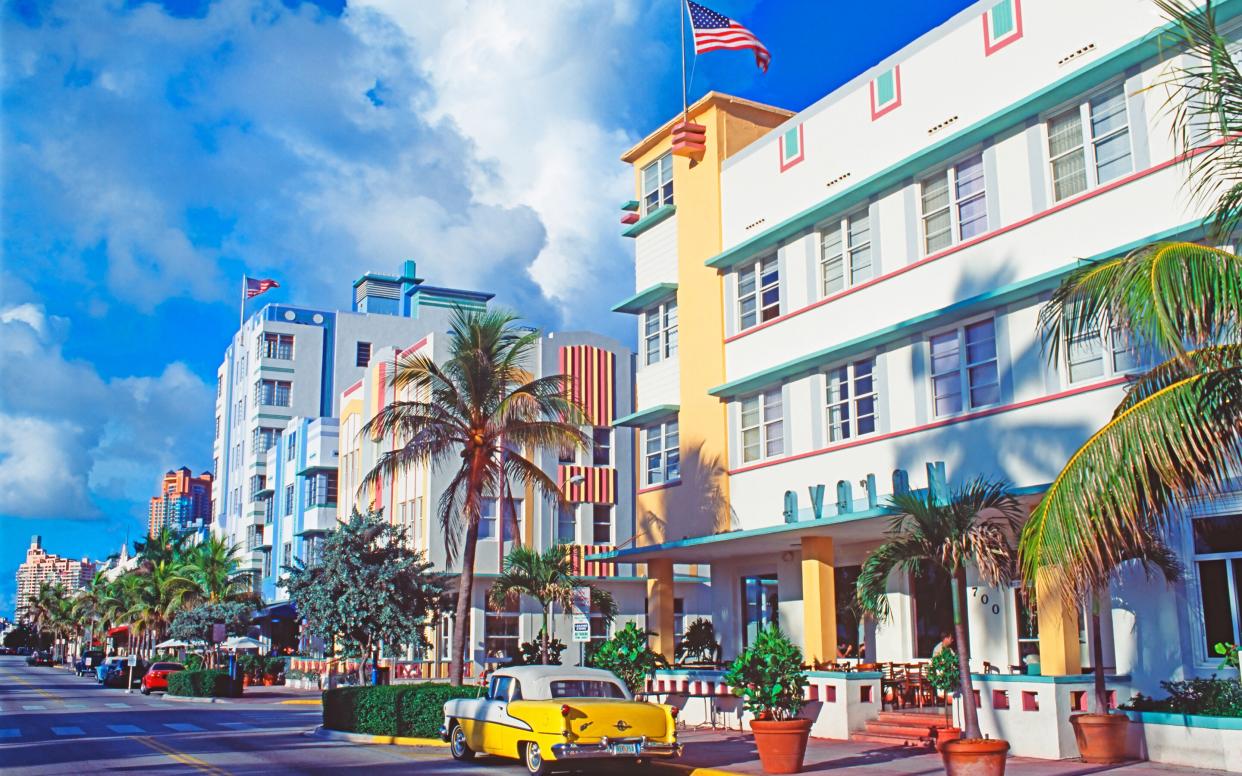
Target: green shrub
203,684
274,666
415,710
1209,697
193,662
628,656
768,676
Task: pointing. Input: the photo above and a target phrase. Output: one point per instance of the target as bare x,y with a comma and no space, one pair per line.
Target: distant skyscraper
41,567
183,503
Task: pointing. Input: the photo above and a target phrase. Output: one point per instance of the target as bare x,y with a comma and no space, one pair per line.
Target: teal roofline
1108,66
620,556
648,416
654,217
960,309
644,299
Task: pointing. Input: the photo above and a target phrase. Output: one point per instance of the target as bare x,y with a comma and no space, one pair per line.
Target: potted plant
698,643
949,531
768,676
628,655
272,669
943,674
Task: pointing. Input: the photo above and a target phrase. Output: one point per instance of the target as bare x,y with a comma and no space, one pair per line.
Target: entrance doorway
933,609
760,604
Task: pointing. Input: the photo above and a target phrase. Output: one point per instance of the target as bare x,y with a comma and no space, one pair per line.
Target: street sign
581,604
217,633
133,660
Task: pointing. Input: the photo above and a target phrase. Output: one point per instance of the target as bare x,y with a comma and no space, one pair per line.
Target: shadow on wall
1147,613
697,506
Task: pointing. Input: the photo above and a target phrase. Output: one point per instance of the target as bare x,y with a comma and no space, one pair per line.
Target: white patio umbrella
171,644
240,642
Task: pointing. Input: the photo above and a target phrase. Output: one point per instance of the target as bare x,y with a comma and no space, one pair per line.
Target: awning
118,629
281,611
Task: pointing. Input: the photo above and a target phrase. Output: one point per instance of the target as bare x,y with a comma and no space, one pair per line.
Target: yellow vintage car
557,717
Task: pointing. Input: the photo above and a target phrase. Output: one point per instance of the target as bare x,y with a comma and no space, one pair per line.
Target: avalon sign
845,492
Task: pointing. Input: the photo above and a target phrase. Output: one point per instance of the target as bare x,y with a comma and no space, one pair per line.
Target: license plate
625,748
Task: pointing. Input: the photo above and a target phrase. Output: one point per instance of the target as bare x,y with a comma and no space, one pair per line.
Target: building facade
862,282
41,568
183,503
288,362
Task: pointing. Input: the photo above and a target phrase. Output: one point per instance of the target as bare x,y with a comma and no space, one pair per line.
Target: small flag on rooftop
714,31
256,286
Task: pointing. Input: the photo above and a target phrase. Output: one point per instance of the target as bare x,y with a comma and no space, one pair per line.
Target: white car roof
536,680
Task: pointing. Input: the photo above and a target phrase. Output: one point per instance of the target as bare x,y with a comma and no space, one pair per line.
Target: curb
185,699
302,702
367,738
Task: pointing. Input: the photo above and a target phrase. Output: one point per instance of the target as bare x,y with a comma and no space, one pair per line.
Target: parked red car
157,677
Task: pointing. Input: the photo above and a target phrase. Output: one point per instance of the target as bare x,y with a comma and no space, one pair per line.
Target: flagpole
685,112
242,318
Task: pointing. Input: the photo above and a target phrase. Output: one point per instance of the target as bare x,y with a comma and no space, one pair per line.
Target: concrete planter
1188,739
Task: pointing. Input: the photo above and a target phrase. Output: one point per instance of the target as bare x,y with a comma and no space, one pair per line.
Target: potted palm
944,674
971,525
769,678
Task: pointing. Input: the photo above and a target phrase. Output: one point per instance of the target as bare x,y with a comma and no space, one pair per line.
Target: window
254,540
663,454
267,563
363,355
954,205
219,385
601,524
965,383
1089,144
264,438
660,332
258,482
566,455
288,500
763,426
500,631
273,393
276,346
849,238
658,183
758,292
599,625
585,688
851,399
1089,356
269,509
487,520
217,427
566,524
286,551
1218,565
601,450
760,603
291,446
321,490
679,622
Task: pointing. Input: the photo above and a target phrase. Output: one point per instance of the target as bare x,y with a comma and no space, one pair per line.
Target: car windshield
167,667
585,688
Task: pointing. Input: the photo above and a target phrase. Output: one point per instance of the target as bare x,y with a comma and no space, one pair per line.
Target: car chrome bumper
604,748
444,733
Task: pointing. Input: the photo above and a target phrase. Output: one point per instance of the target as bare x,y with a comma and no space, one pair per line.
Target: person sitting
946,642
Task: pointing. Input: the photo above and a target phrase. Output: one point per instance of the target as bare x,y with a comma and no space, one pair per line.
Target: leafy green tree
215,566
541,651
196,624
699,641
483,414
628,655
548,577
948,534
367,589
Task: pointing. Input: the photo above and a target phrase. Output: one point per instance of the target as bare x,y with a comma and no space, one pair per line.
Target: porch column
660,607
1058,629
819,600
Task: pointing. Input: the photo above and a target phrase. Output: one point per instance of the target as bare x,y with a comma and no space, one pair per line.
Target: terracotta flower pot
268,680
245,680
946,734
1102,738
781,745
978,757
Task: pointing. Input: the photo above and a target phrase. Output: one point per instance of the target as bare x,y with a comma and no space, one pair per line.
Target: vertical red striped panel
588,374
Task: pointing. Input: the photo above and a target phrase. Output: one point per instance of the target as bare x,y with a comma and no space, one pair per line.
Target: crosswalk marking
183,727
237,725
10,733
68,731
75,705
126,730
117,705
33,707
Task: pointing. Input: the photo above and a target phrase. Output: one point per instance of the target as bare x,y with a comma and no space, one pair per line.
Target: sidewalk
712,753
275,695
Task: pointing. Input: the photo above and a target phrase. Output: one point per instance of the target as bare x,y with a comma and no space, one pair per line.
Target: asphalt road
52,722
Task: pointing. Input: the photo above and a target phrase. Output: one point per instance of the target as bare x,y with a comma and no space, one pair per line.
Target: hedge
415,710
203,684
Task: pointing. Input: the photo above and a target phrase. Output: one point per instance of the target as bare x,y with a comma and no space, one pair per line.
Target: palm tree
972,526
156,592
484,413
214,566
42,607
549,578
1177,433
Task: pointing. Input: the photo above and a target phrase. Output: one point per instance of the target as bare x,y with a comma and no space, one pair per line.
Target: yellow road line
180,757
39,690
303,702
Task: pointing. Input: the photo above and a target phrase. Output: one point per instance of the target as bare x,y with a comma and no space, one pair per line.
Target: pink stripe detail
352,388
413,347
936,424
661,486
973,241
877,112
988,47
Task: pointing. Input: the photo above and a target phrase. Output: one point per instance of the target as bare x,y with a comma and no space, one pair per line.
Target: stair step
905,731
911,718
876,738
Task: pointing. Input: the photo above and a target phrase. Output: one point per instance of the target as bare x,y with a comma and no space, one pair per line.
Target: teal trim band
648,416
656,216
645,298
1041,679
270,416
266,368
631,206
1185,720
811,362
1083,80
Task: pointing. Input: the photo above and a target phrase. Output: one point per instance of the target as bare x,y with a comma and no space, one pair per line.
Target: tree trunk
1097,656
543,637
465,586
970,714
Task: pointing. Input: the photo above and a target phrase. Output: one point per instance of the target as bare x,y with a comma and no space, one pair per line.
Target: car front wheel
533,757
457,744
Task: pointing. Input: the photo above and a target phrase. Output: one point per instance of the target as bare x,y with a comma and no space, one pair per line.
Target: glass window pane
1108,112
746,282
938,230
776,438
1069,175
860,264
750,444
1065,132
935,194
970,177
1217,534
750,412
1217,608
945,352
972,217
1112,157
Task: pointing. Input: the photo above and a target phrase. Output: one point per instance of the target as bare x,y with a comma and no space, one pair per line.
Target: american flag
713,32
256,286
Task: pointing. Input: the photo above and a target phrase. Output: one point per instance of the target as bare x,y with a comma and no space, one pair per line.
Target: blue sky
153,152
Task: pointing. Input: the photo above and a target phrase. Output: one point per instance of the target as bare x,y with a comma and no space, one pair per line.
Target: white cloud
69,438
